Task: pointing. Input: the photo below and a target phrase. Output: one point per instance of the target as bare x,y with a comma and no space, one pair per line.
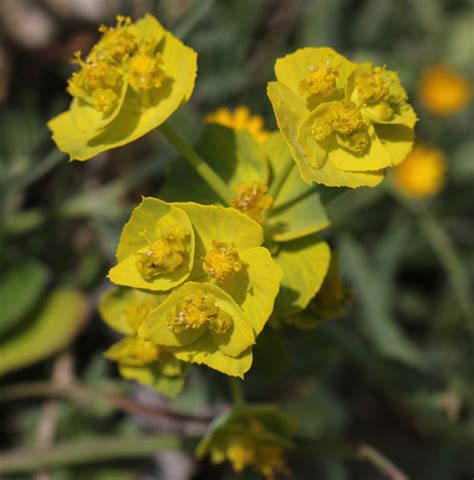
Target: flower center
345,118
320,80
145,71
117,42
97,83
222,261
197,310
373,87
251,199
164,254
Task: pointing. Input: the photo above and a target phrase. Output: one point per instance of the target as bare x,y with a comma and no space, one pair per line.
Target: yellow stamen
145,71
197,310
345,118
320,80
252,199
373,87
164,254
222,261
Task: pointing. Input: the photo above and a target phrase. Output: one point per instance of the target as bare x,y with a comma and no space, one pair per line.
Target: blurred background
392,378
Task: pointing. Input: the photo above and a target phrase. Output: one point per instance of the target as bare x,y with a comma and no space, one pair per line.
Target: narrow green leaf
382,331
20,288
50,330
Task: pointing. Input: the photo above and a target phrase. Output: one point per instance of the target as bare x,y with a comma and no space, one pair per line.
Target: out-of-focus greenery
396,373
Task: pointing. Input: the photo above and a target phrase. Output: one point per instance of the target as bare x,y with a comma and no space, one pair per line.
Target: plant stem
197,162
237,391
88,451
281,176
80,393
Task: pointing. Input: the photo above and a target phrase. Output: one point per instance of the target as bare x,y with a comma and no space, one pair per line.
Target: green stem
281,176
449,259
237,391
381,463
446,253
90,450
197,162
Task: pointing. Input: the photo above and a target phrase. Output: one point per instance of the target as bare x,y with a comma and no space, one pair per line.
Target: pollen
373,87
222,261
145,71
240,119
198,310
164,254
345,118
252,199
320,81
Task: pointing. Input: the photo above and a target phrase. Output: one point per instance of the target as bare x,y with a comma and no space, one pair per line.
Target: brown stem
78,393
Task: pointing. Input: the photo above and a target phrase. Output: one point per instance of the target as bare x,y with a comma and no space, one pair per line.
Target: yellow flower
239,119
422,173
125,309
254,436
222,283
443,91
343,122
132,80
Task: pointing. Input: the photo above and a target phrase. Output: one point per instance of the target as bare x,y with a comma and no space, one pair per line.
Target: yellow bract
343,122
443,91
422,173
132,80
239,119
125,309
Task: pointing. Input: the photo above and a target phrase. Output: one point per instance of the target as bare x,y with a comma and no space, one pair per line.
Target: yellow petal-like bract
344,122
133,79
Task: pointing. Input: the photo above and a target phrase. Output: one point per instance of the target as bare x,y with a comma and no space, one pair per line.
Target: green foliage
49,329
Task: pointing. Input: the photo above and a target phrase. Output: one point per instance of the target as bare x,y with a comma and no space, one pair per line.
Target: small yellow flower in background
422,174
132,80
255,437
442,91
344,122
240,119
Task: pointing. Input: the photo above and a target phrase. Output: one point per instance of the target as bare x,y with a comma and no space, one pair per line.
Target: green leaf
55,325
384,334
20,288
297,210
305,262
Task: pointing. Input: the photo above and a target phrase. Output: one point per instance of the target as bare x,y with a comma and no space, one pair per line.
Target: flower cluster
344,122
215,287
252,436
131,81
